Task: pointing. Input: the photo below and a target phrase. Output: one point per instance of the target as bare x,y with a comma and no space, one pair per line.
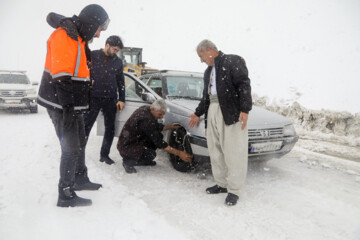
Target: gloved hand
68,117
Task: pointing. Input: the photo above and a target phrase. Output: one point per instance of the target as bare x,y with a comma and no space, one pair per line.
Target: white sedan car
270,135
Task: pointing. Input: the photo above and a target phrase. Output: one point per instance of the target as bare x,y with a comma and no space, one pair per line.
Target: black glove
68,117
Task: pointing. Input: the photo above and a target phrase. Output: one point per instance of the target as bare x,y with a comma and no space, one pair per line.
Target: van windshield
14,78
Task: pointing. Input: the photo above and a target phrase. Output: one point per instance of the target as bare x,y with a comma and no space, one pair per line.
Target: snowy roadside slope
340,124
331,133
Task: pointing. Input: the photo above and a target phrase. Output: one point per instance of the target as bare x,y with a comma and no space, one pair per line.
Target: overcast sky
295,49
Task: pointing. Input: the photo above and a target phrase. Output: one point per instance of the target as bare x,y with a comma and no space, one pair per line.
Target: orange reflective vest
66,78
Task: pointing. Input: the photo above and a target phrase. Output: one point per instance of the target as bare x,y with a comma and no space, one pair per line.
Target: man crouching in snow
141,136
65,90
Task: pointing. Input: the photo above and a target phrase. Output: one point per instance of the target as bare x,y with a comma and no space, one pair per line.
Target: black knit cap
92,17
115,41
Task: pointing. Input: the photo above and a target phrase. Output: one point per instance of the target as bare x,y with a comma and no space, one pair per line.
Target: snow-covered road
305,195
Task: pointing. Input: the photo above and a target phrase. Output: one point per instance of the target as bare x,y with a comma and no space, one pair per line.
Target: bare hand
194,120
171,127
243,118
120,105
185,156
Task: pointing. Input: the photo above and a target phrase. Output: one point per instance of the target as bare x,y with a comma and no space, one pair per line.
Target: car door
134,89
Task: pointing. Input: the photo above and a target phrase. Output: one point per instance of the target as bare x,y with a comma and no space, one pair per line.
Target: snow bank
341,127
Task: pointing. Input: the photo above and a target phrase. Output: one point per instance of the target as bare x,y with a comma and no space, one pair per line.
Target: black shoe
129,168
68,198
87,186
231,199
151,163
107,160
216,189
82,182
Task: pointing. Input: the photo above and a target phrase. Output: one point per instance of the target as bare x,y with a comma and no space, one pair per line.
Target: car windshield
185,87
14,78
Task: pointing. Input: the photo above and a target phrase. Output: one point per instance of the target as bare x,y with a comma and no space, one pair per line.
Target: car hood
11,86
186,103
258,117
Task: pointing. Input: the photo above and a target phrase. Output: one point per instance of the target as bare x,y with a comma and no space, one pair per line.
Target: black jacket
232,86
140,131
108,76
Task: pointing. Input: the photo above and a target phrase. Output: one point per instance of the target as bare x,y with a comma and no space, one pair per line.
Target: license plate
12,101
265,147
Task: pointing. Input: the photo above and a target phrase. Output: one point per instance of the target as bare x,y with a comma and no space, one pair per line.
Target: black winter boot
82,182
231,199
68,198
216,189
129,168
107,160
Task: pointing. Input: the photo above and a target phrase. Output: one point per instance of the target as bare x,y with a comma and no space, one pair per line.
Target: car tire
34,109
180,140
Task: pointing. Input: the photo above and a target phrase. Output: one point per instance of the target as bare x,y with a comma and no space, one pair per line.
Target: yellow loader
132,60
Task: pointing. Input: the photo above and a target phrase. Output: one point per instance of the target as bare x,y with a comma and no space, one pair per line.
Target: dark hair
115,41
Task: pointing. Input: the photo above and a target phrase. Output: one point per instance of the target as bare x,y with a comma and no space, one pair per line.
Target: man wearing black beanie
65,91
108,92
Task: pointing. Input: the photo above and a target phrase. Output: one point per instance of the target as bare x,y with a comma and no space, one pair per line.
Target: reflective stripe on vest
78,59
61,75
80,79
59,106
67,74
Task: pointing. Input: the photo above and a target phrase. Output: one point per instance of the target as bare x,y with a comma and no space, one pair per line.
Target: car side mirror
148,97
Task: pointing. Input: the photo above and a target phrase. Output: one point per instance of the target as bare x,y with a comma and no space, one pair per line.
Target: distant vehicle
270,135
132,61
16,91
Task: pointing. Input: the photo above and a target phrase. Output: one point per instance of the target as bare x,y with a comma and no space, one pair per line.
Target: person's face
97,34
157,114
111,50
207,56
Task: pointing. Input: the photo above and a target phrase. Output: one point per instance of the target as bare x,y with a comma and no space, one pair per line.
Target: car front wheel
180,140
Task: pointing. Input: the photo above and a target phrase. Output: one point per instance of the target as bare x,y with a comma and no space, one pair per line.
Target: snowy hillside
325,121
330,129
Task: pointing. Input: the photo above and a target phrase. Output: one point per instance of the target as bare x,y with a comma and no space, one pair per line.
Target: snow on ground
308,194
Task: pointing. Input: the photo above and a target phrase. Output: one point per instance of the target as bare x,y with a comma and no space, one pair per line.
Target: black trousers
147,156
72,142
108,107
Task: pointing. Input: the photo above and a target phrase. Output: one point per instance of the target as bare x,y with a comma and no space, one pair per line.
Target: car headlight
289,130
30,92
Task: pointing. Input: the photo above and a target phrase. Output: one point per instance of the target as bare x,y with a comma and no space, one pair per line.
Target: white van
16,91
